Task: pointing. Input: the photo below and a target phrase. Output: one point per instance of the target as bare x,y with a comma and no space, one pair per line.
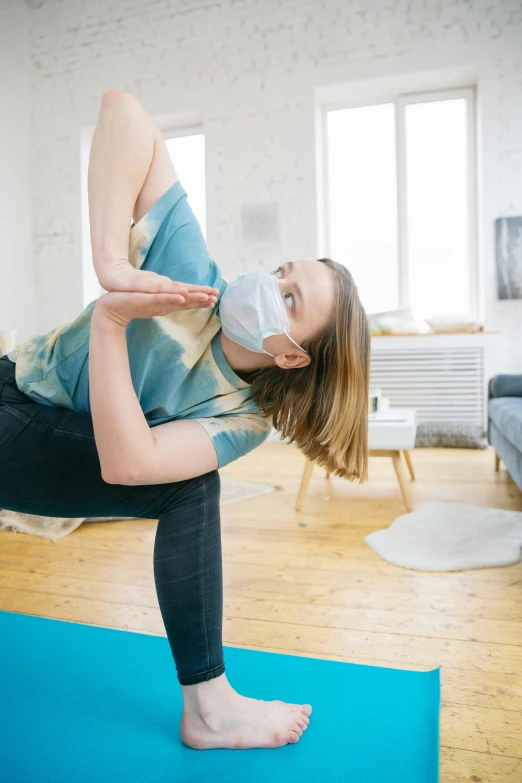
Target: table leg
307,475
497,463
401,478
409,463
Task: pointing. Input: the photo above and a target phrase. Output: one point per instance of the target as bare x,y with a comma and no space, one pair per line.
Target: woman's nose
282,289
281,282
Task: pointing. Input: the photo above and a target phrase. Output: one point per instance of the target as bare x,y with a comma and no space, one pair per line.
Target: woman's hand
122,306
122,276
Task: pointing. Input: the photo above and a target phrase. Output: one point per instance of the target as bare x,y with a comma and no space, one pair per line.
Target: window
187,151
188,155
399,196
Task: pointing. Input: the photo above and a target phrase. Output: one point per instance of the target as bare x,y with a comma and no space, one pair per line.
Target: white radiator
444,384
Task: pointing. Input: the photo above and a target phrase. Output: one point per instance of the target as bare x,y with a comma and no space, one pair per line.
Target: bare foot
216,716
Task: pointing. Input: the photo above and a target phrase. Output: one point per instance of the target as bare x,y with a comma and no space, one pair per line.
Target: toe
292,736
306,709
298,730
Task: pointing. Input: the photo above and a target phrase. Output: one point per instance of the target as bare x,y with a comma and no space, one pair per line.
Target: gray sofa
505,422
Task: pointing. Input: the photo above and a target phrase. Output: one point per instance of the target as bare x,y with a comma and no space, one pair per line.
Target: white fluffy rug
54,528
450,537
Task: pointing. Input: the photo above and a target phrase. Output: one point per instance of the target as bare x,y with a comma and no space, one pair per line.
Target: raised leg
401,478
409,463
307,475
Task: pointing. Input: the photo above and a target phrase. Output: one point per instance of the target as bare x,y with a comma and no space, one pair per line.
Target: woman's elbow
111,96
118,477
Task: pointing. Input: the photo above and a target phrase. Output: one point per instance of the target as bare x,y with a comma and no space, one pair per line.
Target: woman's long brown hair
323,407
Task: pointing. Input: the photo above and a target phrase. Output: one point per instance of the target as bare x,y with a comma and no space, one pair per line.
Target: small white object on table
389,434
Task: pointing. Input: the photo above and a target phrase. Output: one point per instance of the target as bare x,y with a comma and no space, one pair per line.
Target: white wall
17,295
248,70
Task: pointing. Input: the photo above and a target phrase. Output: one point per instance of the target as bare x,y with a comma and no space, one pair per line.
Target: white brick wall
17,295
248,68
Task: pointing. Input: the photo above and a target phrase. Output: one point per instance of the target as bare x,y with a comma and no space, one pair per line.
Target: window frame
179,132
401,99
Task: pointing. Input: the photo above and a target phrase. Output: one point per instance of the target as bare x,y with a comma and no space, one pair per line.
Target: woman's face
308,292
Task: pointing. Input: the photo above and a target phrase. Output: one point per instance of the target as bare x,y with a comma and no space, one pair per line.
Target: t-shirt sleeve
234,435
168,240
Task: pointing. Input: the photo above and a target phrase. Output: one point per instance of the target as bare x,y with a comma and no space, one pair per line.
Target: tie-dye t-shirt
177,363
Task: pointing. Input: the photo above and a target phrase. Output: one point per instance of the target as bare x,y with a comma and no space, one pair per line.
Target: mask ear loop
297,344
294,342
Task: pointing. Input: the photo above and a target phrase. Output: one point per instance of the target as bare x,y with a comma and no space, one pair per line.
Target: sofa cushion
505,386
506,413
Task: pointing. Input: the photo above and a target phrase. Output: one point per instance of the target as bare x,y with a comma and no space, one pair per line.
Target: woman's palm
138,293
123,306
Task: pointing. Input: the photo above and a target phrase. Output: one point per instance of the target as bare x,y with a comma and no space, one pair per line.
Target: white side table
389,434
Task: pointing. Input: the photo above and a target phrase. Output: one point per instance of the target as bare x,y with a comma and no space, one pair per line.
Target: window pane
362,200
188,155
437,182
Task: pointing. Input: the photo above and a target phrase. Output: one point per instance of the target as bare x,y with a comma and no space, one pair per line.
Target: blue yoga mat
80,704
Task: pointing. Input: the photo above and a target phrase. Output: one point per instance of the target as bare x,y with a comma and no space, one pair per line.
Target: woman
131,408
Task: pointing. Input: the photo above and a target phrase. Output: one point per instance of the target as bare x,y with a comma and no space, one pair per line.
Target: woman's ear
291,361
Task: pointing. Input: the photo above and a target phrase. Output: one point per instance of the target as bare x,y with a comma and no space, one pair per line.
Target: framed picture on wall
260,227
508,252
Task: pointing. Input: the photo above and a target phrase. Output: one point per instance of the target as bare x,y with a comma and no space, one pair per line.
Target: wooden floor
316,589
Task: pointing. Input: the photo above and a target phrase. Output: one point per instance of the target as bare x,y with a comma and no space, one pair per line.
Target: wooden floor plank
500,658
461,766
390,578
492,731
374,620
401,649
299,609
450,604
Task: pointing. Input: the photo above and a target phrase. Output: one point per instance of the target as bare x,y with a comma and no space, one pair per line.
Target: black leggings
49,466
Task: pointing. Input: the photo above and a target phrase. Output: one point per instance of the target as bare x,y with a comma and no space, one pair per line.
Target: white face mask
252,309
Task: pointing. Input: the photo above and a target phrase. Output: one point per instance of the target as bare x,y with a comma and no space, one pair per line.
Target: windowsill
436,340
437,334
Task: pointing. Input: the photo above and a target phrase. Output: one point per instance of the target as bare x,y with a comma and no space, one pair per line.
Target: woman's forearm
120,158
121,431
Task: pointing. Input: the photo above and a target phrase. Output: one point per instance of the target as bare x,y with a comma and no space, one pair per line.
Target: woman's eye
292,298
279,269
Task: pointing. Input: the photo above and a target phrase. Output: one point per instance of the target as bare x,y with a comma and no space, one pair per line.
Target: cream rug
450,537
54,528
